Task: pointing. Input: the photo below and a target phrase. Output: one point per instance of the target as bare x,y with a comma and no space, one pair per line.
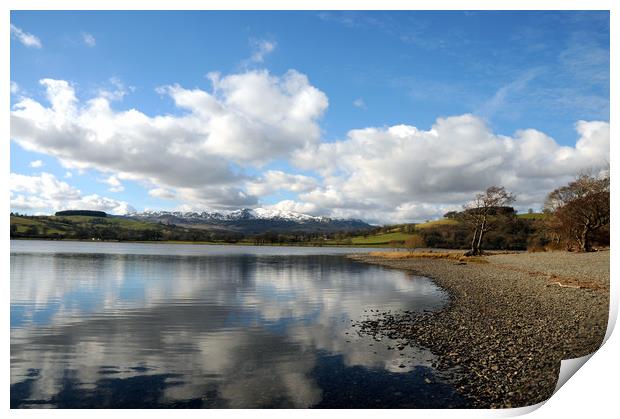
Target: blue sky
493,97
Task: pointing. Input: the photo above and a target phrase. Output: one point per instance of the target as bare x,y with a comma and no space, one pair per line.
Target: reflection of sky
42,246
250,330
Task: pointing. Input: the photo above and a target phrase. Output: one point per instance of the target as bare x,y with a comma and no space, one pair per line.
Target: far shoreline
352,246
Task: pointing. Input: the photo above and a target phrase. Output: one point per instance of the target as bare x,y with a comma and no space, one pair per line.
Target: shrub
414,242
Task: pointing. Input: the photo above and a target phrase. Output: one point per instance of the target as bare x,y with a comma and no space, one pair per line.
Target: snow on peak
264,213
241,214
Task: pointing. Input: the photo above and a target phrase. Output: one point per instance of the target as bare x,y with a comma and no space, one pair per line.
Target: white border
592,392
310,5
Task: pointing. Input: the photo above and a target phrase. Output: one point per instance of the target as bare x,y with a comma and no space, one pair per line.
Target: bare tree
414,242
579,209
481,214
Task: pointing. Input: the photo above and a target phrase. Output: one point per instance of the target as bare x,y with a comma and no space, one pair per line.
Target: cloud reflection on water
225,331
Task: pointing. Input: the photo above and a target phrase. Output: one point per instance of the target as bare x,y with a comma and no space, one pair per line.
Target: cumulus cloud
114,183
45,192
162,193
36,163
201,155
275,180
88,39
402,173
208,197
25,38
247,120
14,88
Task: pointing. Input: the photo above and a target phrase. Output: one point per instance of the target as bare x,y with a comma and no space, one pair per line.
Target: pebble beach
511,319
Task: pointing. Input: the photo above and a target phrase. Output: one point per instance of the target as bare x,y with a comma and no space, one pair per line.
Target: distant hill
86,213
83,227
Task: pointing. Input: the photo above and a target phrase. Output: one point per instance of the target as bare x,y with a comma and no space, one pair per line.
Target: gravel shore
509,323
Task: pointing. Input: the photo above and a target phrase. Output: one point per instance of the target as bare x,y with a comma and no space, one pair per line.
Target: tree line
575,217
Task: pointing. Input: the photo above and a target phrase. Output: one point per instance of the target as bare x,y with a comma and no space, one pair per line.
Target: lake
124,325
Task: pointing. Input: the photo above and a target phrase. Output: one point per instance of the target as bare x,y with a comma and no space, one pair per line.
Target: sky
384,116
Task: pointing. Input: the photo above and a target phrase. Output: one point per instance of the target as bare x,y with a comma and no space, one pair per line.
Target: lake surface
156,325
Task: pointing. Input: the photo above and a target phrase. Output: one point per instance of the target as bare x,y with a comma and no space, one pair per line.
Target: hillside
391,239
436,223
83,227
448,233
114,228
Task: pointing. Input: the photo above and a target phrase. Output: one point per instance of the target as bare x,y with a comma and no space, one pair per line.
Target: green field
53,224
85,227
107,221
379,240
395,234
533,216
23,224
436,223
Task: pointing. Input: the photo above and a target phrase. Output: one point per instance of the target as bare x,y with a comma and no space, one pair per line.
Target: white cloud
359,103
402,173
117,91
36,163
504,94
162,193
260,49
248,120
45,192
207,197
88,39
68,175
14,88
389,174
114,183
25,38
275,180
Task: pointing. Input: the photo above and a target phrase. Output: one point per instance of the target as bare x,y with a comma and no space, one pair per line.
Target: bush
414,242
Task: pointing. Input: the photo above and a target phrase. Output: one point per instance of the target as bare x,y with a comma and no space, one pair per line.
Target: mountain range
252,221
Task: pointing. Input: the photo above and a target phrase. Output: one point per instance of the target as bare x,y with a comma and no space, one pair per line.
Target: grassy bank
450,255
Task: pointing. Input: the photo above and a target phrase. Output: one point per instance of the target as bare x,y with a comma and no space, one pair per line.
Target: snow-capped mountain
252,220
242,214
271,214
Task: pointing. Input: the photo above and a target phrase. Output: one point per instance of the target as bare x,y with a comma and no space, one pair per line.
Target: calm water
155,325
